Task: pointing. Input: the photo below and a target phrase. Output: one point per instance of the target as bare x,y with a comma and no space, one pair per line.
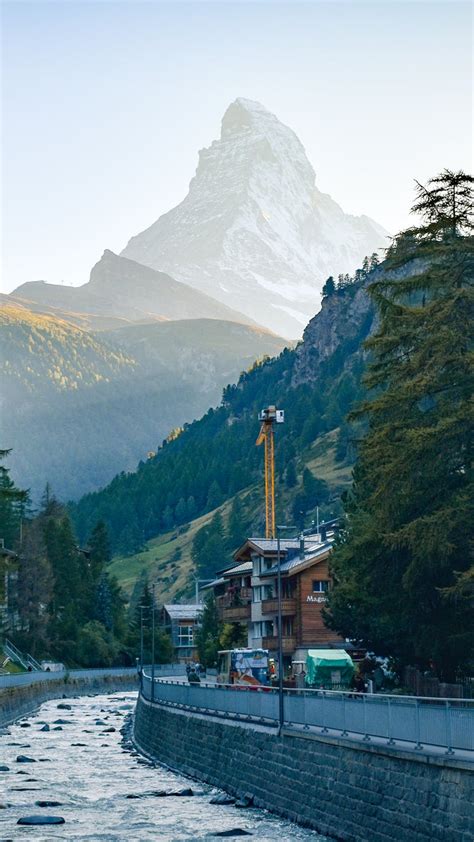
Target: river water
89,772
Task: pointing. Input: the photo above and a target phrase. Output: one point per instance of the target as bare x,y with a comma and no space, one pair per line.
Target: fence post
390,741
418,746
447,714
344,732
324,729
366,737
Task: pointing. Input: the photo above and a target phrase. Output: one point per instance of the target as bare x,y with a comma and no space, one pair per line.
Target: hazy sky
105,105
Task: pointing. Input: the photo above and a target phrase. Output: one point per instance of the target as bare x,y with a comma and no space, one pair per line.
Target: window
185,635
268,591
320,586
257,594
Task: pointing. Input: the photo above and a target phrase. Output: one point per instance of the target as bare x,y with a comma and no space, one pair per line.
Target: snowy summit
254,231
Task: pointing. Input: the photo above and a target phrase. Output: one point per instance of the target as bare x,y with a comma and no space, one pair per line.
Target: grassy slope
175,577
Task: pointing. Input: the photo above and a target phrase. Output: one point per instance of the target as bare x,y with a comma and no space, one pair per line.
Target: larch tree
403,568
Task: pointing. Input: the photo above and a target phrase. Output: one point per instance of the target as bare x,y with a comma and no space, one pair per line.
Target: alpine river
81,764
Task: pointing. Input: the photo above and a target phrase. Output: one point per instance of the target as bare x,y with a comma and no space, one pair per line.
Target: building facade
248,593
181,622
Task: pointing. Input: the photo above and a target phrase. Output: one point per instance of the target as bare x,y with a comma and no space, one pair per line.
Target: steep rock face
122,288
254,231
343,320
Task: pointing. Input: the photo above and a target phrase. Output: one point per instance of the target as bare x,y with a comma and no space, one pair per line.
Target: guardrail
26,678
447,724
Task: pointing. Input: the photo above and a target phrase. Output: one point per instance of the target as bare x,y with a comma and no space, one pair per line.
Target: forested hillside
214,458
101,401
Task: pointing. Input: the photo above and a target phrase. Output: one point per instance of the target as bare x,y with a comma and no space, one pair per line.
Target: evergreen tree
99,548
214,498
329,287
181,511
291,478
237,526
410,512
208,633
12,505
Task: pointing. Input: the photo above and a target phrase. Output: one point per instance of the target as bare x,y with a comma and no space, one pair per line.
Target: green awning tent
329,668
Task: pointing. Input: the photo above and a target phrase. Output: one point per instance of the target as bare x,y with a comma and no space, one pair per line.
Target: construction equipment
269,417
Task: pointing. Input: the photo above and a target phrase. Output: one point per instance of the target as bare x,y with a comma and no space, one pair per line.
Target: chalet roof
238,570
290,566
183,612
212,584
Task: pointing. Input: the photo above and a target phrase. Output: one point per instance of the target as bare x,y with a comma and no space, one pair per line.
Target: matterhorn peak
254,231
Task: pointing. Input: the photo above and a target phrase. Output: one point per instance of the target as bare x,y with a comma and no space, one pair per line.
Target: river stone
100,722
222,799
45,760
48,804
62,722
58,728
235,831
22,758
245,801
64,706
45,728
157,793
25,725
182,792
82,745
109,730
41,820
4,768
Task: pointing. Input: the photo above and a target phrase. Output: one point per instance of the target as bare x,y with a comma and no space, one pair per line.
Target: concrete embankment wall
20,700
346,791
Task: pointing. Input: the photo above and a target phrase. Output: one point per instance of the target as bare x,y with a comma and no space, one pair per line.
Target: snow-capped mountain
254,231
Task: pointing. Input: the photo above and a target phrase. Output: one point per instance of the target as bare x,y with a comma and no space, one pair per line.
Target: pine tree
237,526
12,505
410,511
291,478
329,287
208,633
99,547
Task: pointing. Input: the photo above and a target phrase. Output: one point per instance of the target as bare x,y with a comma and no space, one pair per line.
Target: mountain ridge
122,288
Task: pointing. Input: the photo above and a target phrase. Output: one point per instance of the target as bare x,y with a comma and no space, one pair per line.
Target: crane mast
269,417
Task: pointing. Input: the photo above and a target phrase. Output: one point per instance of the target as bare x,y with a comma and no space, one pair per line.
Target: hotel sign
311,598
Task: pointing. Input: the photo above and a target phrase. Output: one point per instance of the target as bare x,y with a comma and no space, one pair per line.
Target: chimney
301,545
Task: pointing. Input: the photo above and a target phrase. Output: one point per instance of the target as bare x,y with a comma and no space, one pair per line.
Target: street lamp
281,710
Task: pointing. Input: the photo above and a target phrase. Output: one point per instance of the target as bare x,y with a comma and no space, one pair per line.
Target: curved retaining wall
348,792
18,700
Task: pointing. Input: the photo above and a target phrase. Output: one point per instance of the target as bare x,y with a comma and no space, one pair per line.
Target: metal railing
26,678
404,721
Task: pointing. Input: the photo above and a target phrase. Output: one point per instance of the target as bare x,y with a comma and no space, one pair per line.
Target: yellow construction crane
269,417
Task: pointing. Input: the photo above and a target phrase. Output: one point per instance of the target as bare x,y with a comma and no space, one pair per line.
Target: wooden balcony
288,644
236,613
288,606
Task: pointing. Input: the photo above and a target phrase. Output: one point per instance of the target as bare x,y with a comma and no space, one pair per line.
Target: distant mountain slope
200,351
77,407
122,288
40,353
254,231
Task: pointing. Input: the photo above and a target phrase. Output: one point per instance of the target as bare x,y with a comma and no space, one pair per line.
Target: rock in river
45,728
64,706
235,831
41,820
223,798
22,758
48,804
